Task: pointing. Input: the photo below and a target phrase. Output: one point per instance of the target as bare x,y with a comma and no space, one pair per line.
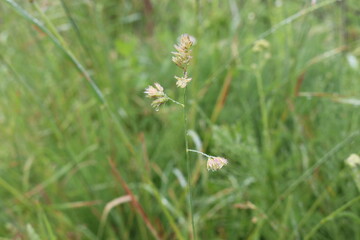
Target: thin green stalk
176,102
296,16
168,215
83,43
331,217
315,205
266,143
51,26
195,151
16,194
264,115
188,165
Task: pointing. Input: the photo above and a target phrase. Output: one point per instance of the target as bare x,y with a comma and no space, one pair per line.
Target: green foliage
72,77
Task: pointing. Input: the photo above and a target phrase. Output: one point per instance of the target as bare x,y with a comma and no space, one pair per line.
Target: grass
83,155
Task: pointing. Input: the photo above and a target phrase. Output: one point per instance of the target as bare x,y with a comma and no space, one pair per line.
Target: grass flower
158,102
182,56
216,163
182,81
156,93
213,163
261,45
353,160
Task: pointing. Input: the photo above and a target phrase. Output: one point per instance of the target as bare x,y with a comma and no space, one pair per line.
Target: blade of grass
169,217
294,17
316,204
110,205
333,97
44,222
137,206
72,205
17,195
64,170
300,179
76,29
60,43
220,102
331,216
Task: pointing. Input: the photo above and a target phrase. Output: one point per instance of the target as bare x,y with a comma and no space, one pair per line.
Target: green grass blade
331,217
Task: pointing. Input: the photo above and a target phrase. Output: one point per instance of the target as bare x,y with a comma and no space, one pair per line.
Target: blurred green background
77,131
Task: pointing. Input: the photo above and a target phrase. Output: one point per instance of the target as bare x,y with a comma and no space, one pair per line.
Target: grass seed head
158,102
182,56
156,93
261,45
216,163
182,81
353,161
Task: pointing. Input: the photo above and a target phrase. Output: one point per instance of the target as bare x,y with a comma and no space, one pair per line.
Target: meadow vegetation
84,156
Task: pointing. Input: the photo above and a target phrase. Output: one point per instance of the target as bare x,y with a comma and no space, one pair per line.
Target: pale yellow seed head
157,93
158,102
216,163
182,81
261,45
183,53
353,161
154,92
186,40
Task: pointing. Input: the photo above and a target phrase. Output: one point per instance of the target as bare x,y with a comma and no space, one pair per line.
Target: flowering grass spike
216,163
182,81
156,93
182,58
183,55
260,45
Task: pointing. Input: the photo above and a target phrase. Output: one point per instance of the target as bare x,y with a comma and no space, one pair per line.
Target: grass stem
176,102
195,151
264,115
188,165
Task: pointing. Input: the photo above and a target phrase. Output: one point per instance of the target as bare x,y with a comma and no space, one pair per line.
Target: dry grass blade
333,97
134,202
81,204
220,102
110,205
222,96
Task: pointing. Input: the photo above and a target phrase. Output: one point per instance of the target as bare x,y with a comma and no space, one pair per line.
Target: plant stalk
195,151
264,115
188,165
